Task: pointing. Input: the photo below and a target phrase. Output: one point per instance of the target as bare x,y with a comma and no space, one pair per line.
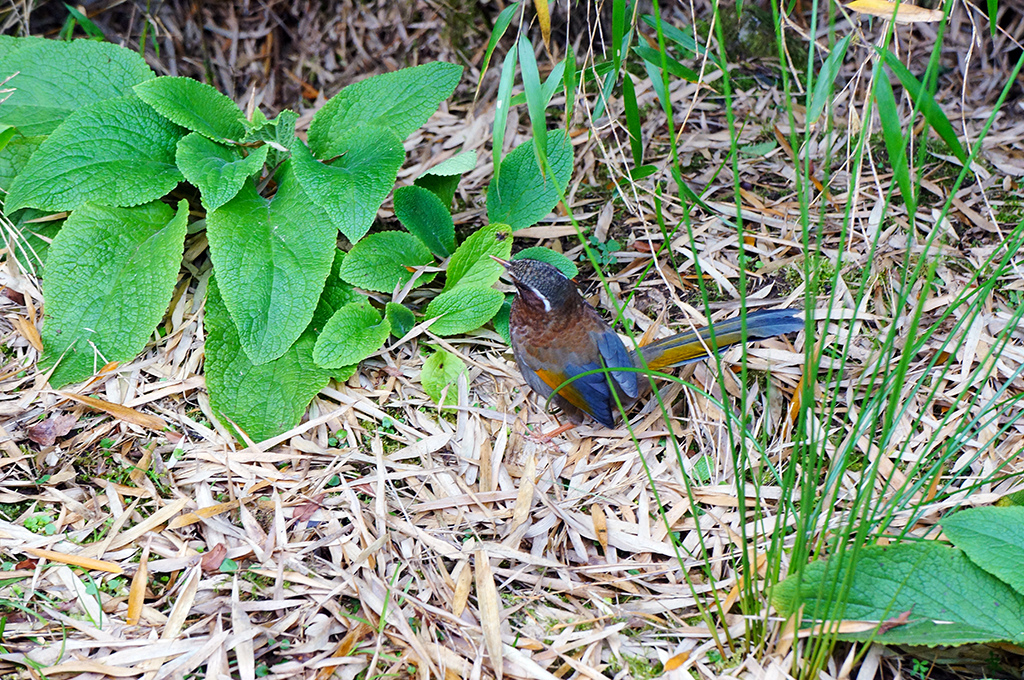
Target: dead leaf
905,14
214,558
490,610
129,415
46,432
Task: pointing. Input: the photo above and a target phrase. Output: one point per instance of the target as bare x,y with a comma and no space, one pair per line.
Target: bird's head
540,285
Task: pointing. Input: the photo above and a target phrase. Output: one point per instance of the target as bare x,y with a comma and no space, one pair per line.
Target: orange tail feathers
692,346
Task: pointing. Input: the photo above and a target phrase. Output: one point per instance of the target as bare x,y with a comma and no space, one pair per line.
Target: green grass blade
653,56
501,25
932,113
508,74
535,102
553,82
632,119
892,133
570,80
826,77
683,40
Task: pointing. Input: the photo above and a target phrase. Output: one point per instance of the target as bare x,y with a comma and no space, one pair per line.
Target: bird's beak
504,263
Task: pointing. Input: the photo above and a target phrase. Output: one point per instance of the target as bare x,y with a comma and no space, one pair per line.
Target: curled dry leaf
47,432
212,560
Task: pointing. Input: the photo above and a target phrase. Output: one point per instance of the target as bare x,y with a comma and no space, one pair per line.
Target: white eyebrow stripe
540,296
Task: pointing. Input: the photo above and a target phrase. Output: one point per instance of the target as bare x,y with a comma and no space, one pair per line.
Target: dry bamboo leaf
28,330
905,13
86,600
201,514
600,525
676,661
490,610
462,586
524,499
137,591
76,560
83,666
162,515
345,647
544,19
129,415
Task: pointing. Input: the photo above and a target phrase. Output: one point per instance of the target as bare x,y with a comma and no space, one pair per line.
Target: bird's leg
554,433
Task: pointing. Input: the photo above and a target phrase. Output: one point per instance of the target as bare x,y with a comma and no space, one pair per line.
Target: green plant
91,132
41,523
604,251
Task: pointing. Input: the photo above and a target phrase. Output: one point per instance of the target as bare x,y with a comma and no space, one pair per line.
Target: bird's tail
693,346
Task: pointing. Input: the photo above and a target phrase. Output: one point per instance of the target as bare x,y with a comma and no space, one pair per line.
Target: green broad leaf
52,83
336,294
520,196
440,377
501,319
993,538
116,152
400,101
351,187
30,241
7,133
556,260
9,43
217,170
271,259
892,133
471,265
926,104
109,277
826,77
263,400
500,26
463,309
195,106
950,599
400,317
354,332
653,57
380,261
760,149
443,179
425,216
14,157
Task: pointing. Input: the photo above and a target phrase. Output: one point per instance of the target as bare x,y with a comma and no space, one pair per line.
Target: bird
557,335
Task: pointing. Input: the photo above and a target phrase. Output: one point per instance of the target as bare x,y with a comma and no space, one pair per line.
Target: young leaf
380,261
827,76
441,372
471,265
279,134
556,260
892,133
570,81
116,152
354,332
501,106
337,293
424,215
400,317
500,26
351,187
217,170
463,309
520,196
535,103
636,141
263,400
271,258
194,105
443,179
109,277
926,104
50,83
401,101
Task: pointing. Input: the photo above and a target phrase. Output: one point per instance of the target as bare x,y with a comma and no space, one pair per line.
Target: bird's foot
546,437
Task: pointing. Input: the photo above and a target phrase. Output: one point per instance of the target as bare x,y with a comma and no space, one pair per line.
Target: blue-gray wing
615,356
